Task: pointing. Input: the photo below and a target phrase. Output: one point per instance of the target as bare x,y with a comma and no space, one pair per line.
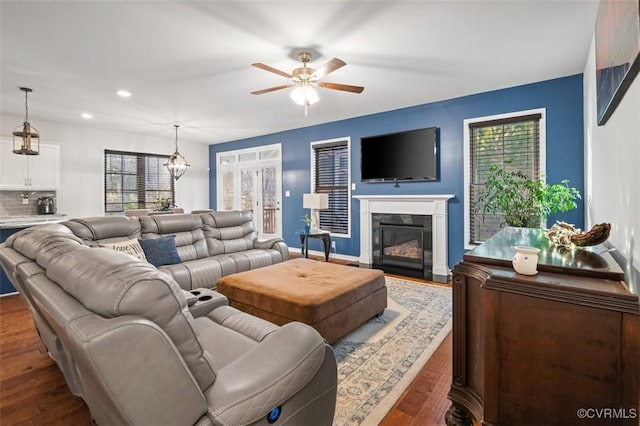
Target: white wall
81,191
612,164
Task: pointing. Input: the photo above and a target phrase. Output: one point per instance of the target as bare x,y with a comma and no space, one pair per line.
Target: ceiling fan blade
330,66
272,89
343,87
271,69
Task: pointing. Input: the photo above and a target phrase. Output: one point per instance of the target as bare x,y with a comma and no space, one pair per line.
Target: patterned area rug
378,361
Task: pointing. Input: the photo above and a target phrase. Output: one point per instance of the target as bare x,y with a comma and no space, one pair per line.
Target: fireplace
401,244
434,206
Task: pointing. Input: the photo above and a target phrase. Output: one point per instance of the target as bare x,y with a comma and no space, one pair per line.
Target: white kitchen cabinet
35,172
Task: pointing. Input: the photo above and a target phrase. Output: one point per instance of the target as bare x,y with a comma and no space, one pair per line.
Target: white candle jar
525,261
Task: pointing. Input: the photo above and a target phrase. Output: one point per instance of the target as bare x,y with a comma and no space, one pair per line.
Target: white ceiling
189,62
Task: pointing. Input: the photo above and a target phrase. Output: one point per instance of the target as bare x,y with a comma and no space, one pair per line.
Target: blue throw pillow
161,251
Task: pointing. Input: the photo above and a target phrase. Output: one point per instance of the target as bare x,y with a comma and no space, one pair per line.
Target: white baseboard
297,250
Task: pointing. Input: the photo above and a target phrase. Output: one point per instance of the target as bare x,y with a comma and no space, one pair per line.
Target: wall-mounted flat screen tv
403,156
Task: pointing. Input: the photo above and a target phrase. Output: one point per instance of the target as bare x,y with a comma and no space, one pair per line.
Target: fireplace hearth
402,244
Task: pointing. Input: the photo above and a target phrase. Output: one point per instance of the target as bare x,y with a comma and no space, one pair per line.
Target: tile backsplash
11,202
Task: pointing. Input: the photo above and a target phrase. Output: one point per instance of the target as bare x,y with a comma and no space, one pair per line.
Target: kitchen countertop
11,222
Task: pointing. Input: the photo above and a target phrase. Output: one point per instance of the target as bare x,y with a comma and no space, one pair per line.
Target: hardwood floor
425,400
33,390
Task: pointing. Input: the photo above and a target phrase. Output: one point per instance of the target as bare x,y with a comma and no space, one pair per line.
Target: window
512,141
330,165
135,181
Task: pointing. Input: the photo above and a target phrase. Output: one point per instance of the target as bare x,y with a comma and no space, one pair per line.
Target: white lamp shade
315,201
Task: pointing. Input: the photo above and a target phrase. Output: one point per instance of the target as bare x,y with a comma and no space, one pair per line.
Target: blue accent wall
562,98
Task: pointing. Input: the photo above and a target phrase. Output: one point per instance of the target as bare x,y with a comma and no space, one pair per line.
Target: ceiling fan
304,78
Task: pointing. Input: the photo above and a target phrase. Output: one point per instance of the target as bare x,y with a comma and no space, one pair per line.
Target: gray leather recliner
138,355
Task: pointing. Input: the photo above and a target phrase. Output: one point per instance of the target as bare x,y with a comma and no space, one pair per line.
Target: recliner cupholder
204,298
195,293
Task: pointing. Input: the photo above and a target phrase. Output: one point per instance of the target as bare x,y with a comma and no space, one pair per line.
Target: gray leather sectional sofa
210,244
142,348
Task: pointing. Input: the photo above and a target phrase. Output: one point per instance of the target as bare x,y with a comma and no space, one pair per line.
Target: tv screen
403,156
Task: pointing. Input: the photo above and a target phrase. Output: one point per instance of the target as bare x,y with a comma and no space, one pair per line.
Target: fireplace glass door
402,246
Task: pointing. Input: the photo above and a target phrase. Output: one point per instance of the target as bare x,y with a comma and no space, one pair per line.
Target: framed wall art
617,53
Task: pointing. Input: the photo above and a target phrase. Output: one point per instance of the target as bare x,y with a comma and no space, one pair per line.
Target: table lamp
315,202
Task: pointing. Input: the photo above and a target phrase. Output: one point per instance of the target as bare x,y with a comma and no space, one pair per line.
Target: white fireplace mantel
434,205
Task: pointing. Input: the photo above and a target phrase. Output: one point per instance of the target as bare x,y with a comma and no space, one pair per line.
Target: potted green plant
523,201
163,204
306,219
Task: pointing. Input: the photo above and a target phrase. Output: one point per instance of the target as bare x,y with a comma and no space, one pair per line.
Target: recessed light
124,93
86,115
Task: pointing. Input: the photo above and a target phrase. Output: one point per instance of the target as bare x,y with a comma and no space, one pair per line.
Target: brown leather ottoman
333,299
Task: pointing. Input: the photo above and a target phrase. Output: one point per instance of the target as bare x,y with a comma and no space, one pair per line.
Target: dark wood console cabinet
561,347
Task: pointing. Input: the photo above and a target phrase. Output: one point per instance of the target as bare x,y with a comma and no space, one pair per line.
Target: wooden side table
322,235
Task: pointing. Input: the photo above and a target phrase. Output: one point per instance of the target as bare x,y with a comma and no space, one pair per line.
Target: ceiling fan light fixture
176,163
303,79
304,94
26,138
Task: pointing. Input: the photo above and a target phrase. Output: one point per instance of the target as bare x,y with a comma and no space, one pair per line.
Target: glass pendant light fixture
26,139
304,94
176,164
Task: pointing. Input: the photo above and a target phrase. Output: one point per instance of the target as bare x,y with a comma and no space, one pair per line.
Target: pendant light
176,164
24,135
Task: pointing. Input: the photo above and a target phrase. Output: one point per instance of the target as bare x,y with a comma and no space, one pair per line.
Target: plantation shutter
331,171
512,144
135,181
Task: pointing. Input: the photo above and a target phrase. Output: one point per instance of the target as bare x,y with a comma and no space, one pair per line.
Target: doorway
250,179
